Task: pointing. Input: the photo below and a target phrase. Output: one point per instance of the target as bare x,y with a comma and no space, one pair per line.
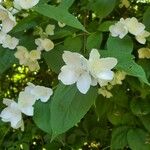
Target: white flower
26,101
100,68
8,20
75,71
26,4
119,29
61,25
134,27
144,53
141,37
28,58
10,42
12,114
44,44
42,93
50,29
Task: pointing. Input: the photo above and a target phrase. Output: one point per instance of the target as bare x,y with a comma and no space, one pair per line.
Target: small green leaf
59,14
94,40
104,26
68,107
102,7
138,139
119,138
73,44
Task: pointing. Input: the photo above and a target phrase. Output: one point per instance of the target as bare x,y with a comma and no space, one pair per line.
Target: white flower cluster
27,98
132,26
8,22
84,73
29,59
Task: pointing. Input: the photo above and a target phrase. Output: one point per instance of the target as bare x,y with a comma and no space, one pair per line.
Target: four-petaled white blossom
119,29
44,44
100,68
85,72
12,114
132,26
26,4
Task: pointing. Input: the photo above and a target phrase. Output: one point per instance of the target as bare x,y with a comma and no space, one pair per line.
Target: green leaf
146,19
68,107
59,14
140,107
54,59
42,116
146,121
102,7
138,139
119,138
7,59
94,40
73,44
65,4
121,49
104,26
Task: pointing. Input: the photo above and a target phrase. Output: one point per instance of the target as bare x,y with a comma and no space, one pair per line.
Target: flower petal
84,82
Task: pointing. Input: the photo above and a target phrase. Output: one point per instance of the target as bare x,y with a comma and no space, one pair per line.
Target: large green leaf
121,49
7,58
42,116
102,7
119,138
138,139
59,14
68,107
